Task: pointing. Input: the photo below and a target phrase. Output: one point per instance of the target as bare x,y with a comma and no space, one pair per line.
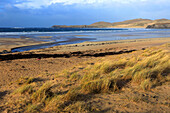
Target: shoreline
47,45
8,45
29,42
25,43
88,49
96,45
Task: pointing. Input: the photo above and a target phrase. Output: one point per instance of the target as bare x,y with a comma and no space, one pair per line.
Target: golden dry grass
23,89
42,93
149,69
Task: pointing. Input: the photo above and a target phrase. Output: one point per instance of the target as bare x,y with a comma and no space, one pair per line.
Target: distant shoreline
72,43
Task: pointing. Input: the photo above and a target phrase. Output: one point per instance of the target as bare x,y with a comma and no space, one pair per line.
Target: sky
45,13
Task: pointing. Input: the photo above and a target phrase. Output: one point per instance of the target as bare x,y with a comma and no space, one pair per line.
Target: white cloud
36,4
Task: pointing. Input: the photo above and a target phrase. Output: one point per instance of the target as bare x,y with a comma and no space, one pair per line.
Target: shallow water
62,36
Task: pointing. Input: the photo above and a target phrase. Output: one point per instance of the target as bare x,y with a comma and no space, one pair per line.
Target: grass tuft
100,85
82,107
25,80
43,93
72,94
23,89
75,76
33,108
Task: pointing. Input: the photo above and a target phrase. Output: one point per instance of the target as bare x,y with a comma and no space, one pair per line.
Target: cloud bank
36,4
77,12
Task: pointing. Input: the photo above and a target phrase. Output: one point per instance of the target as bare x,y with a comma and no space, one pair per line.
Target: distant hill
138,23
134,23
101,24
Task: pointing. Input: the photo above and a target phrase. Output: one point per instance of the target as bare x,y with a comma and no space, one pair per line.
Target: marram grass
149,69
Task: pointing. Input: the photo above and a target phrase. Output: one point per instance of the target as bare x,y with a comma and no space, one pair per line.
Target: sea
62,36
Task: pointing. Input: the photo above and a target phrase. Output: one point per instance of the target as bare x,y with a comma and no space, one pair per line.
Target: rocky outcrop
159,26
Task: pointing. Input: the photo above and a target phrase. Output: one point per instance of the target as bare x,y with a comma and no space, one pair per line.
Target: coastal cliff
134,23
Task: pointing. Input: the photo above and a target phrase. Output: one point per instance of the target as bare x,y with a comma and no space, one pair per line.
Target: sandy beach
45,63
68,53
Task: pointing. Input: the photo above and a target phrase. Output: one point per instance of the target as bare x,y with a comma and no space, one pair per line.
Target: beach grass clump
100,86
107,68
23,89
72,94
33,108
150,52
58,103
25,80
30,80
149,70
131,62
110,66
75,76
90,75
83,107
42,93
146,84
64,74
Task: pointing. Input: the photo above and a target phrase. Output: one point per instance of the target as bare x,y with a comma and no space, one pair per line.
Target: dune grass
42,93
33,108
23,89
148,69
25,80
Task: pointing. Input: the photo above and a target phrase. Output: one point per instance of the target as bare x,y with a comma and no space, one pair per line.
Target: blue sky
45,13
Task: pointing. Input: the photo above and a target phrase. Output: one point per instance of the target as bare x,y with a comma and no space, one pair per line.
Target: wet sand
9,43
103,46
